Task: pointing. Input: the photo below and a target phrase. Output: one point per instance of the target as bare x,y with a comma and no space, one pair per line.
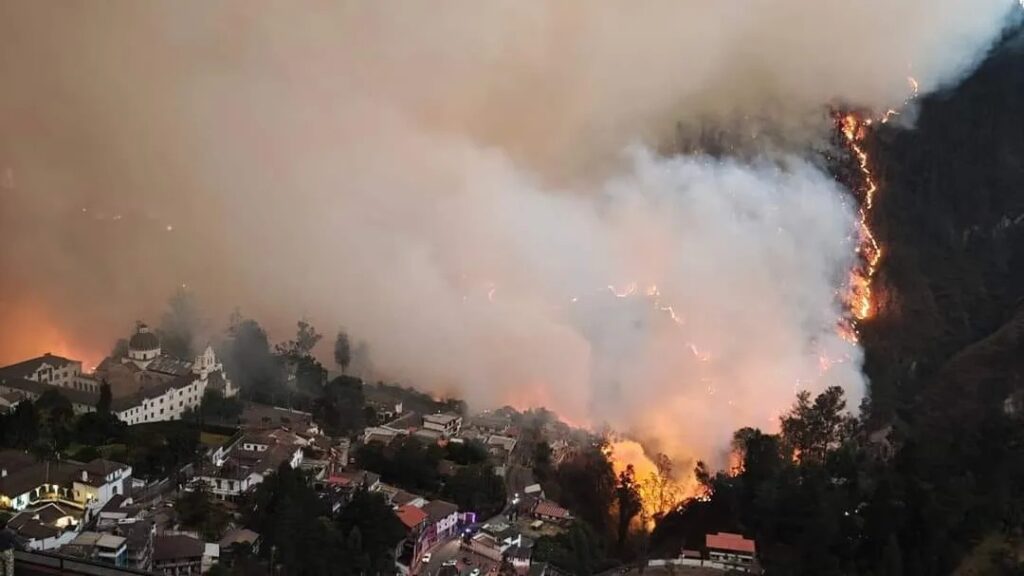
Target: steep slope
951,215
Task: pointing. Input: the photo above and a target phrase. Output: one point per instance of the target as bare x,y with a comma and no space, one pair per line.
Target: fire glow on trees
659,487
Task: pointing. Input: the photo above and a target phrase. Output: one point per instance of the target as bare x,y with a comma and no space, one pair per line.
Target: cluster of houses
97,511
507,538
86,510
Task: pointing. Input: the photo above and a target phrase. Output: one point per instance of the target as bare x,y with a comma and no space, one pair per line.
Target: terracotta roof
730,542
411,516
551,509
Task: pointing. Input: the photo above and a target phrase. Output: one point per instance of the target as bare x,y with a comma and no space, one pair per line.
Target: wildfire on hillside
661,487
854,128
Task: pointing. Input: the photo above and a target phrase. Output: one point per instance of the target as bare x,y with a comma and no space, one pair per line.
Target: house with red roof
733,549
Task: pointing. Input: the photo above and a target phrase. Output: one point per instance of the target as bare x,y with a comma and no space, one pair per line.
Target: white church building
165,387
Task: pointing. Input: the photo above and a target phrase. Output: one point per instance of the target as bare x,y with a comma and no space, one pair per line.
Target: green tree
342,351
22,428
340,409
179,325
249,361
578,551
468,452
198,511
306,338
376,528
629,504
587,483
476,488
56,416
103,404
215,407
813,429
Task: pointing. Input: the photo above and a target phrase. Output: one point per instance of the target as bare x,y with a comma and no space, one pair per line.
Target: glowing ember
854,128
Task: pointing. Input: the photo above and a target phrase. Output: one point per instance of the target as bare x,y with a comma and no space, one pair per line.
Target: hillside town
162,464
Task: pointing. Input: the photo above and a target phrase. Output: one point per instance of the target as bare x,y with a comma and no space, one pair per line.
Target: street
451,550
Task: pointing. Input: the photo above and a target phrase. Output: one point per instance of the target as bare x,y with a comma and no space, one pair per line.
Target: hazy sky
445,178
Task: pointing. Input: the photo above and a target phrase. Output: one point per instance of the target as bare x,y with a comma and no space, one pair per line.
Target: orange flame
658,494
853,129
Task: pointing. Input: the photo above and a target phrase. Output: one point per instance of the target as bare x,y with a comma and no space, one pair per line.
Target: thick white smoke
459,183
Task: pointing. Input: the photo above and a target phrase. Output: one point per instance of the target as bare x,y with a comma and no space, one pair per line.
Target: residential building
520,557
81,401
99,547
138,534
24,481
348,481
443,516
178,555
99,480
494,540
428,436
246,459
46,527
550,512
409,551
385,410
10,400
52,370
490,423
732,549
262,417
446,423
237,541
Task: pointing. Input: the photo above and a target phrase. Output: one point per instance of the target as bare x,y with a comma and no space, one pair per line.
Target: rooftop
175,547
143,339
238,536
80,397
443,418
730,542
551,509
165,364
28,367
439,509
410,515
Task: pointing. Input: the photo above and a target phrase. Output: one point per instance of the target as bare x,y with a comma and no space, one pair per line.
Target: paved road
465,561
440,554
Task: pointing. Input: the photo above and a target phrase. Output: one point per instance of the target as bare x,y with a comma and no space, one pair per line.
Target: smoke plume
464,185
